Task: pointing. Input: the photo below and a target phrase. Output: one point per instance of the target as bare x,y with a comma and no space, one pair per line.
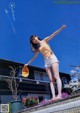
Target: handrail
20,78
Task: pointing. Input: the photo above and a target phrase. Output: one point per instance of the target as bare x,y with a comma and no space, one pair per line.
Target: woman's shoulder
44,42
45,39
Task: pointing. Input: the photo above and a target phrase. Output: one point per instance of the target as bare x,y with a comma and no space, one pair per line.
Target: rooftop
67,105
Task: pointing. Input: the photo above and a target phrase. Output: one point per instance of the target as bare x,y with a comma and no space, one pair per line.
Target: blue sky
40,17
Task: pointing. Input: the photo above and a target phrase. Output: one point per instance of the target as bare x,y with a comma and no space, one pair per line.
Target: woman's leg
48,70
55,68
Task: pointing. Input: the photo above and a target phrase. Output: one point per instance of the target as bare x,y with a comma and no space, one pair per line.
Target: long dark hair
34,47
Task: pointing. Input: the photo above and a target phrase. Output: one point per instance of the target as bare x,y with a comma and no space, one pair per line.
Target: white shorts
50,60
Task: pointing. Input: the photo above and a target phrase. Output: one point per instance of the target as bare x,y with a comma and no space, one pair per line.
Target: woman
51,62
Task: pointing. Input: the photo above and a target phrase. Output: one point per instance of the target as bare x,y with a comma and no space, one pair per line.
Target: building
36,84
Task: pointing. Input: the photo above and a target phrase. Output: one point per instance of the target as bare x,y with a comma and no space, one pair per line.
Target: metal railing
25,79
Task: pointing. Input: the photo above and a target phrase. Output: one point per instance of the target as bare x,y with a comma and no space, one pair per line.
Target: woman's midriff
46,50
47,53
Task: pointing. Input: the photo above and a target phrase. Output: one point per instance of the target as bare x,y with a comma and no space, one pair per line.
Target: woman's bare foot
58,98
51,100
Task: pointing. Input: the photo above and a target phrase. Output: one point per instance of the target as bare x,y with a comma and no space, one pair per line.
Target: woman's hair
34,47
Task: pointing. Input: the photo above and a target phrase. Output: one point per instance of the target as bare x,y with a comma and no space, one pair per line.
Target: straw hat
25,71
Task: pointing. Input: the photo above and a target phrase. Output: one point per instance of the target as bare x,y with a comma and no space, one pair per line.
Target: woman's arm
54,34
32,59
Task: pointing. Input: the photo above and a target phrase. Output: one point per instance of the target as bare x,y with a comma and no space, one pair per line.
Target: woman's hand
63,26
25,65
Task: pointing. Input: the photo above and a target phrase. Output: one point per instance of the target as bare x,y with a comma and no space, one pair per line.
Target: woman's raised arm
55,33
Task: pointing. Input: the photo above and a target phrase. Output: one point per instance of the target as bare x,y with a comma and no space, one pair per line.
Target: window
45,77
20,72
36,75
41,76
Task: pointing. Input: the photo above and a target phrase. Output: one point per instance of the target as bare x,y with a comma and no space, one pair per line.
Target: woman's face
35,40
